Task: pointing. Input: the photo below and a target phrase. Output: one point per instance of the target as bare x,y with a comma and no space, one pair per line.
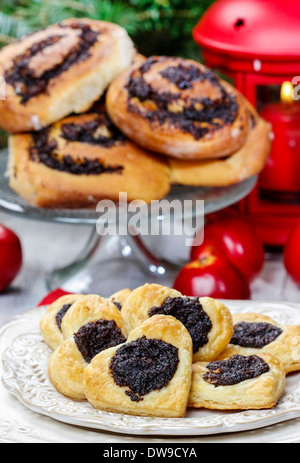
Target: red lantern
255,43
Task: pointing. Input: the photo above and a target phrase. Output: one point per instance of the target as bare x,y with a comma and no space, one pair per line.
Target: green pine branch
144,20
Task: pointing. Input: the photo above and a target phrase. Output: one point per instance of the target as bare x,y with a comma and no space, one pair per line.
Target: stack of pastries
152,351
89,118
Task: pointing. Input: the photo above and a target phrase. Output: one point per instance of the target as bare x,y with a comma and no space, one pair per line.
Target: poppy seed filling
255,335
190,312
235,370
23,79
144,365
94,337
44,149
215,114
61,313
118,305
87,132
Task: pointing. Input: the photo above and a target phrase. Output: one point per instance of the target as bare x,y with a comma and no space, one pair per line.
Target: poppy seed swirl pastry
239,382
81,160
91,325
60,70
148,375
255,333
208,321
179,108
246,162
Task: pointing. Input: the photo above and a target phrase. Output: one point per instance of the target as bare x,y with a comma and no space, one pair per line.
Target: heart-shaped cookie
91,325
255,333
208,321
238,383
148,375
120,297
50,323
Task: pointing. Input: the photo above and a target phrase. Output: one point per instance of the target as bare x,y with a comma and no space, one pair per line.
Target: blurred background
157,27
265,33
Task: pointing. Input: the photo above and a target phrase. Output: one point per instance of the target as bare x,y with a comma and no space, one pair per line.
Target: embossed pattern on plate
25,376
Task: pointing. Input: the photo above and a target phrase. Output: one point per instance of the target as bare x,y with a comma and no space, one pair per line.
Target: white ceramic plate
25,376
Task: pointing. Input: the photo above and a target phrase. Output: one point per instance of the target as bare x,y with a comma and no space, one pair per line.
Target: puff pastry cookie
255,333
60,70
120,297
208,321
148,375
238,383
91,325
50,323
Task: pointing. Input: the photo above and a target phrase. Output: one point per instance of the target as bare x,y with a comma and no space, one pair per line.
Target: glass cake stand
109,263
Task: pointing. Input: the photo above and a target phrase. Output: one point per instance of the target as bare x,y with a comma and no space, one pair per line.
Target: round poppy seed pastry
60,70
179,108
246,162
81,160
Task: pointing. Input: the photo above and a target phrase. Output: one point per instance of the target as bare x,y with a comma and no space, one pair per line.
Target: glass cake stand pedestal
109,263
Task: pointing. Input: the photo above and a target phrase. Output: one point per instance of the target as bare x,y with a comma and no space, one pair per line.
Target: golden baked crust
249,160
87,309
286,347
217,334
120,297
49,328
136,307
67,362
221,331
179,108
65,368
60,70
81,160
259,392
169,401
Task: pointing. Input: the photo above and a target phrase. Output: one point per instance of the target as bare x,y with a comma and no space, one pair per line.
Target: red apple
292,255
213,276
10,257
235,239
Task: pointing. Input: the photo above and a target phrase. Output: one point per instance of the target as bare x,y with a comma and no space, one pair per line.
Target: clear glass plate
215,200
